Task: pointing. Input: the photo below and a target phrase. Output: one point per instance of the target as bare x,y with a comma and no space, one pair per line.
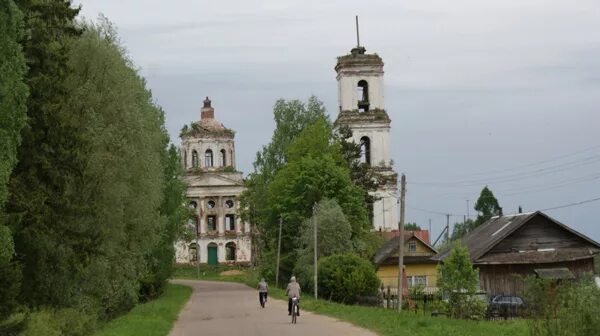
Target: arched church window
194,159
223,158
230,251
208,158
184,159
362,91
365,150
193,248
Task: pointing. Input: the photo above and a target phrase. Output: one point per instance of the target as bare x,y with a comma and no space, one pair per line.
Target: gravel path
221,308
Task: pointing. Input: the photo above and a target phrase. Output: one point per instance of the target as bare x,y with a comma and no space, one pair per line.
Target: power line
438,212
534,163
572,204
516,177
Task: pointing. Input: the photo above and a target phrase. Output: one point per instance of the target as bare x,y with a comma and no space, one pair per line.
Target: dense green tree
487,206
462,228
291,117
42,203
458,278
13,95
174,212
412,227
346,277
315,171
124,178
333,237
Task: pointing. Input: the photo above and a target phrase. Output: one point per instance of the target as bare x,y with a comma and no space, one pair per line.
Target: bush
346,277
468,307
59,322
566,309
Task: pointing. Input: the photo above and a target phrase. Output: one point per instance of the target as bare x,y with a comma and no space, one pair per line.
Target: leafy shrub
468,307
345,277
59,322
566,309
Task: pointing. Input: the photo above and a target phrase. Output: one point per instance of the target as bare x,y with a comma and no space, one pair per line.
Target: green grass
211,273
154,318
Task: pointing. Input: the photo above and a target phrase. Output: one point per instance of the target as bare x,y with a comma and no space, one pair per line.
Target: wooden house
420,269
507,248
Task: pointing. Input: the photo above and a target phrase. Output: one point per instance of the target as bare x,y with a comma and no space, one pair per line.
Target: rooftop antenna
357,36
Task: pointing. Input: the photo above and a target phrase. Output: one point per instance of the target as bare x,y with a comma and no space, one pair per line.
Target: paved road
219,308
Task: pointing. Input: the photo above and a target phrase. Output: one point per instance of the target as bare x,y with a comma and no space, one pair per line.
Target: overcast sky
497,92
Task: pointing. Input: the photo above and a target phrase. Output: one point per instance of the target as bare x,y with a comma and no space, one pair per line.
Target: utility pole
383,211
198,245
430,233
315,245
448,227
278,252
401,242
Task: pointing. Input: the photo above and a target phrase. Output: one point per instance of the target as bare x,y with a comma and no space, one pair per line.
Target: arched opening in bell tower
365,150
362,92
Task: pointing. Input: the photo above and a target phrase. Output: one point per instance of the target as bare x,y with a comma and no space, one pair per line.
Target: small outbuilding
507,248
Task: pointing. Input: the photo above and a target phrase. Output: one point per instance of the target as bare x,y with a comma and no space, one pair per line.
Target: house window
229,222
210,204
208,158
194,159
223,157
211,223
417,280
193,252
412,246
229,204
230,252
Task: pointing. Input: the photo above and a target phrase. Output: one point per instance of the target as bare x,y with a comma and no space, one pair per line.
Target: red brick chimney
207,112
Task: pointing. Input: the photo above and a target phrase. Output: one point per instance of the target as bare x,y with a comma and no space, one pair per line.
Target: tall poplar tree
13,95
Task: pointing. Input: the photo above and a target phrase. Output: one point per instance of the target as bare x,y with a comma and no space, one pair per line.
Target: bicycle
294,309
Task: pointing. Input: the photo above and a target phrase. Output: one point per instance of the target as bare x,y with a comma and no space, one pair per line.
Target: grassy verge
212,273
154,318
385,322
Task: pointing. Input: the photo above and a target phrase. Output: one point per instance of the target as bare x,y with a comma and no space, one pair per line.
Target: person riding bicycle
293,290
263,288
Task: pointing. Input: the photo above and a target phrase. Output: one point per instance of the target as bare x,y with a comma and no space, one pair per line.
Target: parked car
505,306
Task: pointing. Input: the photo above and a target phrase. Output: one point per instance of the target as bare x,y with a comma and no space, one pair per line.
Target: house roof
489,234
391,246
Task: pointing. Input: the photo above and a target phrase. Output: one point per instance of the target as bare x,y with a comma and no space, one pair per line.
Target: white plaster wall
386,211
243,249
380,142
201,145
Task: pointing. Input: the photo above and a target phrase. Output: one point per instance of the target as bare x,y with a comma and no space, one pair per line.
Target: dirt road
219,308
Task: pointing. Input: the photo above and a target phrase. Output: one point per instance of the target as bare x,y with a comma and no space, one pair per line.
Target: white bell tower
361,107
